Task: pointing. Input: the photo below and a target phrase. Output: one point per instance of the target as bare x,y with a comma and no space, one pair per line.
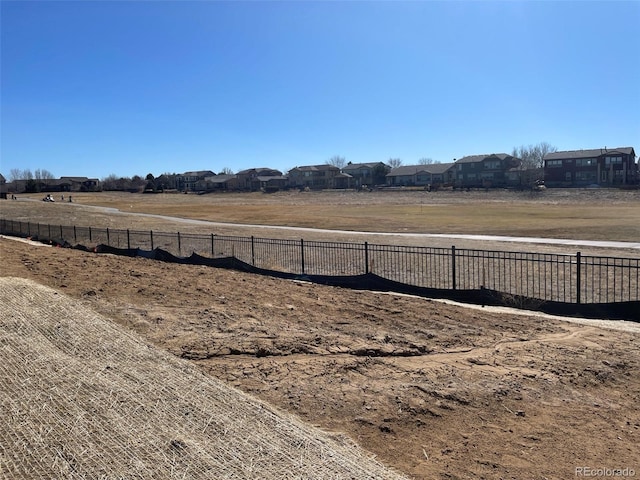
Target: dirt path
433,389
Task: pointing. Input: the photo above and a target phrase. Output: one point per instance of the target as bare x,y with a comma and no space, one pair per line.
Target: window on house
554,163
492,164
588,176
585,162
612,160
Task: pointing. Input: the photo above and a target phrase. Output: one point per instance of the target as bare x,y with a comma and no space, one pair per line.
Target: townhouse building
601,166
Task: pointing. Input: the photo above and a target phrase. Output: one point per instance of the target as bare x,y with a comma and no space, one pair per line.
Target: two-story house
186,182
252,179
319,177
601,166
434,174
217,183
484,170
373,173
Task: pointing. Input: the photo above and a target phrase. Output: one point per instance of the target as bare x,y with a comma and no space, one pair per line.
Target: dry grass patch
580,214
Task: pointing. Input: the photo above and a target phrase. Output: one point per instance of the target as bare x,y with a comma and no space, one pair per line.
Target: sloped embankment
81,397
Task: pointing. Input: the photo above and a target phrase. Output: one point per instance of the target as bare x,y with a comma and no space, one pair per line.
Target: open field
572,214
433,390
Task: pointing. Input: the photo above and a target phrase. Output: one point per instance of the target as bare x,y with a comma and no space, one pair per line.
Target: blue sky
93,88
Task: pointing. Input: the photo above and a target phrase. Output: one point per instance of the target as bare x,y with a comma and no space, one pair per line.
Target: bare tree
426,161
42,174
394,162
226,171
337,161
17,174
14,174
533,155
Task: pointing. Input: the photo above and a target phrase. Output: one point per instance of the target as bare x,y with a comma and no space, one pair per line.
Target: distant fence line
515,276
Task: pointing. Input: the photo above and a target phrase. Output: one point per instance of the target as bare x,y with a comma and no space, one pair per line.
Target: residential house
523,177
250,179
3,187
273,183
78,184
186,182
63,184
601,166
319,177
217,183
484,171
432,175
373,173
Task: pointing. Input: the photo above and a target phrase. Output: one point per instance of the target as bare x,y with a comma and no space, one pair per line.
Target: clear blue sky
93,88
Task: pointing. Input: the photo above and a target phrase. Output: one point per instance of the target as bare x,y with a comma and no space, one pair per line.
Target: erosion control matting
81,397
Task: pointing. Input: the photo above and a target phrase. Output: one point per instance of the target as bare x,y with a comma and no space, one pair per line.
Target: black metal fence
543,277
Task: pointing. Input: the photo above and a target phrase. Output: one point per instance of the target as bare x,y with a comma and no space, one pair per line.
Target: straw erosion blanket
433,390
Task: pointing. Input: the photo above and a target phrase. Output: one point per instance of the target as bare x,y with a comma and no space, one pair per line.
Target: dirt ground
433,390
82,397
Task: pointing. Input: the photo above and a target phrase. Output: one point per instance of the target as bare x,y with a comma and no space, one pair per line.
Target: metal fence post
213,253
253,251
151,238
366,257
75,235
302,253
179,245
578,275
108,239
61,234
453,266
128,240
90,239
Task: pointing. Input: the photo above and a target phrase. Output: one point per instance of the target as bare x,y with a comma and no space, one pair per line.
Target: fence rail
576,279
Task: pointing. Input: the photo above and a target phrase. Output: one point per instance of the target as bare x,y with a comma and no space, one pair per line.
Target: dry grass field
612,215
431,389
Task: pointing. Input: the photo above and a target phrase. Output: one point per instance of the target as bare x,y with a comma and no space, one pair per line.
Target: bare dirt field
81,397
433,390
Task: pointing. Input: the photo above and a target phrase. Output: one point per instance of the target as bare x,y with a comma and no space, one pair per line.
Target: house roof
78,179
269,178
595,152
219,178
200,173
408,170
437,168
357,166
316,168
480,158
261,171
2,179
